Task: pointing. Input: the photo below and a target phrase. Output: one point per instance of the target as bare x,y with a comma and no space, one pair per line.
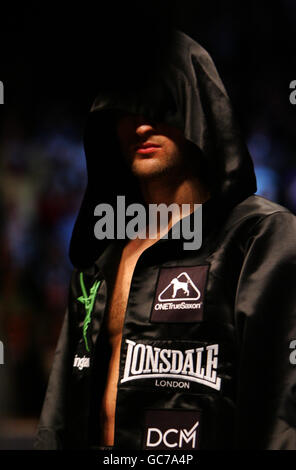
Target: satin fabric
249,300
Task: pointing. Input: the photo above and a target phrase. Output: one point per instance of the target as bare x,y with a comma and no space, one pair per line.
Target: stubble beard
154,169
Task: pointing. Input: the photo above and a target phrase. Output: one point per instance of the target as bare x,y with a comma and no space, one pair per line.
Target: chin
146,169
154,167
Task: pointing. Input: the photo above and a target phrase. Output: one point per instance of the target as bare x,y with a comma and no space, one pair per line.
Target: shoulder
257,210
261,223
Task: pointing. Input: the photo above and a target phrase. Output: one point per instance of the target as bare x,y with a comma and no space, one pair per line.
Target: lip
147,147
147,150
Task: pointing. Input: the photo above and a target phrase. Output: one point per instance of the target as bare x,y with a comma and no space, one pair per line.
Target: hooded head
186,93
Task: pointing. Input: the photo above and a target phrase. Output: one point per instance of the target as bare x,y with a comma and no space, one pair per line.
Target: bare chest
120,293
121,288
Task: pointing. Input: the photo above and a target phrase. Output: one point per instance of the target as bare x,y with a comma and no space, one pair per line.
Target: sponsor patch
81,362
172,429
186,363
179,296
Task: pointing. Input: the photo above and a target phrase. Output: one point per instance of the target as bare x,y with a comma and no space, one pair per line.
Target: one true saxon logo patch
179,296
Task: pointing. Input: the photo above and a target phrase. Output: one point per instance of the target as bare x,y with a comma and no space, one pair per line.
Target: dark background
53,61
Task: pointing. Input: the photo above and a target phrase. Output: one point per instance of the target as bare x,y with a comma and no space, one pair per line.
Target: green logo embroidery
88,301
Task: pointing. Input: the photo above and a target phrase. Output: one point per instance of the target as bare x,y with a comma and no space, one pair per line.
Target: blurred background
52,64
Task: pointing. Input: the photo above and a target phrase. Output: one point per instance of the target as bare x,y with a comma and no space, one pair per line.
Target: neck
179,191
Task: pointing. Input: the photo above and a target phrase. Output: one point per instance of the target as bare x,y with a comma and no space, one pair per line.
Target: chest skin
114,324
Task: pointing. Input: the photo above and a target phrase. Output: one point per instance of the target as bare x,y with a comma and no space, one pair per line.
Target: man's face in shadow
151,149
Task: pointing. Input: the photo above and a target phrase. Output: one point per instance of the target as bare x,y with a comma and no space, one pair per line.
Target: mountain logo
180,288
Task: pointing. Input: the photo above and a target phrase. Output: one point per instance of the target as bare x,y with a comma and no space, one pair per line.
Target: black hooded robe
235,387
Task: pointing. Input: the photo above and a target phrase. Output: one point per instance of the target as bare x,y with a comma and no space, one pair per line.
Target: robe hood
186,92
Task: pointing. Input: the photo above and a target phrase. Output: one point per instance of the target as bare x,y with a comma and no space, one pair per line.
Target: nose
143,126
